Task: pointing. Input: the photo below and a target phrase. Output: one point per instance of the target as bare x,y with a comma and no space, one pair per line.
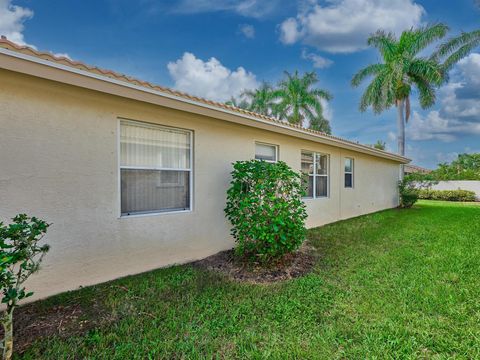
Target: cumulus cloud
12,18
459,112
343,26
247,30
318,61
209,79
248,8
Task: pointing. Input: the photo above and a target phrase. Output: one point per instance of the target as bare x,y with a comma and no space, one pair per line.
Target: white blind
265,152
145,146
155,168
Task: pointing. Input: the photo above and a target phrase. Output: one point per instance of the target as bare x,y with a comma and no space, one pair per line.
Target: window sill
125,216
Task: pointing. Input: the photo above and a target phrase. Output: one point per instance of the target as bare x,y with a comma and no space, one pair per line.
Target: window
315,174
155,168
266,152
348,173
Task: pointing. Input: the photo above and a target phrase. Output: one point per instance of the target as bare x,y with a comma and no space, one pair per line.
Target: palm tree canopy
260,100
298,101
402,69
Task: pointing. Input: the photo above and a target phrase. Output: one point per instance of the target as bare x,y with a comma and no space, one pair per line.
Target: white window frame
349,172
120,167
314,175
266,144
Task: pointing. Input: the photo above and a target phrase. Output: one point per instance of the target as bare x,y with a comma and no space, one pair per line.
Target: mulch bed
291,266
32,322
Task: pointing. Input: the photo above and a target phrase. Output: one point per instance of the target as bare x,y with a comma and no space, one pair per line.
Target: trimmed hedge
446,195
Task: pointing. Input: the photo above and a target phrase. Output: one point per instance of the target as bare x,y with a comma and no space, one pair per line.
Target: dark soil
33,322
290,267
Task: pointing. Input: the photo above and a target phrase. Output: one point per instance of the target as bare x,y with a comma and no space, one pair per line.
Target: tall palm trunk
401,131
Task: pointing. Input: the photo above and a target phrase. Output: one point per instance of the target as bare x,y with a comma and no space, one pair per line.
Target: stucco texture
59,161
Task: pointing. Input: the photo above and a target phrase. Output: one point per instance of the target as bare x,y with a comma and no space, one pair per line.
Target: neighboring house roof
410,168
59,62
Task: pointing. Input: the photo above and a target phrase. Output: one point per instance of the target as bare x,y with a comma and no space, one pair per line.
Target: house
133,176
413,169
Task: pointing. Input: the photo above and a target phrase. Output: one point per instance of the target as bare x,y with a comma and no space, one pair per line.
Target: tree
299,102
380,145
239,103
402,70
261,100
465,167
20,257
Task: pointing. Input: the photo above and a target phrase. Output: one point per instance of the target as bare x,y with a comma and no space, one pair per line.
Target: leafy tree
380,145
20,257
299,102
239,103
261,100
465,167
265,207
403,69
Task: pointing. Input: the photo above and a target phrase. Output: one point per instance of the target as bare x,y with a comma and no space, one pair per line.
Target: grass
394,284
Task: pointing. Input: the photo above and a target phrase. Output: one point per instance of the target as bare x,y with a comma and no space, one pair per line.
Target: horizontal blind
155,168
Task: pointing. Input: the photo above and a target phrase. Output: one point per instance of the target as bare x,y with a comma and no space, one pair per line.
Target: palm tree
401,70
298,102
261,100
239,103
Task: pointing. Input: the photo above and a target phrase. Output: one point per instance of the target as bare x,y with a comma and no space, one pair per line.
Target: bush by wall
408,192
265,207
446,195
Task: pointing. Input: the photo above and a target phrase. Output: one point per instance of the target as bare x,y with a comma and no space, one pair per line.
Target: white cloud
318,61
247,30
209,79
248,8
459,111
343,26
391,136
12,18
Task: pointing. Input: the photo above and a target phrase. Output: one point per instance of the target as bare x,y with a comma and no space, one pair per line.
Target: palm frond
460,53
322,94
366,72
372,97
427,69
455,43
427,95
384,42
425,36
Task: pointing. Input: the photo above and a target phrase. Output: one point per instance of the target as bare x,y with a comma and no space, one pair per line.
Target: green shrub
20,257
447,195
408,193
265,207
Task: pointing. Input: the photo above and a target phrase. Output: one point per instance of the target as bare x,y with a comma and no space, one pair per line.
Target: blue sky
216,48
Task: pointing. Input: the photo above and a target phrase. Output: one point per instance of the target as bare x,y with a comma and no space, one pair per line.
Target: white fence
472,185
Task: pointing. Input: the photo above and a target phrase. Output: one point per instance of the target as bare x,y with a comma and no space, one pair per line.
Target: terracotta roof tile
7,44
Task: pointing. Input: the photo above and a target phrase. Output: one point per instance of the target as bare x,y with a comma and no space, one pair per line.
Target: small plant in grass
20,257
265,207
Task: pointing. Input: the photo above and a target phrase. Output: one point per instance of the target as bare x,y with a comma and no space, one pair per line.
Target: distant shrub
408,193
265,207
446,195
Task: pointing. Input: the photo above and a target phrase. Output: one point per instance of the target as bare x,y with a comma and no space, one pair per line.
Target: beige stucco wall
59,161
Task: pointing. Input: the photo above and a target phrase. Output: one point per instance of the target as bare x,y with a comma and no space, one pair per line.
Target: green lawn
394,284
